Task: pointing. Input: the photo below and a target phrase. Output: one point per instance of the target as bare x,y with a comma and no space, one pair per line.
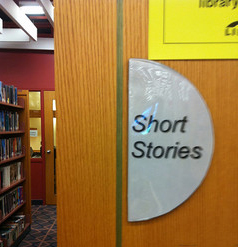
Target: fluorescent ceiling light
32,10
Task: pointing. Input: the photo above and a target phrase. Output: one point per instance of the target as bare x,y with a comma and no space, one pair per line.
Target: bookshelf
20,188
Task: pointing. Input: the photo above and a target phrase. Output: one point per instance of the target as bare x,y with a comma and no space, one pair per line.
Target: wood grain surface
25,119
210,216
85,58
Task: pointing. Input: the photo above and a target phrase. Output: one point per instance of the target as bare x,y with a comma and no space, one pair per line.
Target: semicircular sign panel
170,143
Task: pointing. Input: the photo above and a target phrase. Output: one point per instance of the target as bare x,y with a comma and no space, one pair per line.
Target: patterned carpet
43,229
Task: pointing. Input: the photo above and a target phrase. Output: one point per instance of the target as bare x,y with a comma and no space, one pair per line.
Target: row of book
11,229
10,147
8,94
9,121
10,201
11,174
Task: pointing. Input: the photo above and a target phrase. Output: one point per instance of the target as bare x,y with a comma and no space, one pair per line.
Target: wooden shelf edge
2,191
22,235
12,159
11,105
12,212
12,132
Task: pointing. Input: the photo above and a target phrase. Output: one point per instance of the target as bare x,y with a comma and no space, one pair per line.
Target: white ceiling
17,27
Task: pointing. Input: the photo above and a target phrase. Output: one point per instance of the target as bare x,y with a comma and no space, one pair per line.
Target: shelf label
193,29
170,143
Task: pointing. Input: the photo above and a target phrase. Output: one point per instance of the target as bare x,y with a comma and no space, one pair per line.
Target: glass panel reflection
34,101
35,137
35,124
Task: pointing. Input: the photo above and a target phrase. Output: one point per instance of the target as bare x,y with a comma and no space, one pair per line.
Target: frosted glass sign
170,143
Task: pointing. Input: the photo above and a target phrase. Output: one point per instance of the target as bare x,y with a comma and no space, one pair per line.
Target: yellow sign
193,29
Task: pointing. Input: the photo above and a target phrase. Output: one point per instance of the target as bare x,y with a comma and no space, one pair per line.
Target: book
13,173
12,228
3,147
2,209
16,101
0,91
11,200
8,94
11,95
1,123
9,121
10,147
20,174
6,176
3,93
7,148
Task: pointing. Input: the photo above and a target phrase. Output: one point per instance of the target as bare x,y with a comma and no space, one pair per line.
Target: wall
27,70
89,211
31,71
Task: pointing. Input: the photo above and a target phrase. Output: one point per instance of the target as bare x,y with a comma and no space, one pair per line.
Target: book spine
7,94
3,93
0,91
16,100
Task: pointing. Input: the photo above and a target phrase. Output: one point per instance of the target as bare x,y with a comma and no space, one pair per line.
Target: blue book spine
16,102
4,149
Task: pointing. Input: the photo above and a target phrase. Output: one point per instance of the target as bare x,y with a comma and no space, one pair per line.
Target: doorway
43,146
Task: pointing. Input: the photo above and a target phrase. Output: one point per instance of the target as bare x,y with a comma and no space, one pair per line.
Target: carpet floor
43,228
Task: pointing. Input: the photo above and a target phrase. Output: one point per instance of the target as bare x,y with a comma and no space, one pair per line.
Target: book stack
10,147
9,121
8,94
12,229
14,166
11,174
10,201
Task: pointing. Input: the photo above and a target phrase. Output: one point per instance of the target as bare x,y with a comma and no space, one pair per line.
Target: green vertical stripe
119,122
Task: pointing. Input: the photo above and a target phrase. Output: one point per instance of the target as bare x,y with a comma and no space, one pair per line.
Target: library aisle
43,229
